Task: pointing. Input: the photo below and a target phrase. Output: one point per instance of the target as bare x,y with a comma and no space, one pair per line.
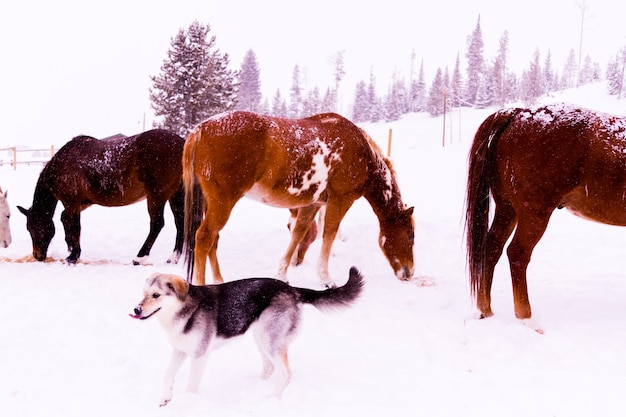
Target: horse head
5,215
41,229
396,241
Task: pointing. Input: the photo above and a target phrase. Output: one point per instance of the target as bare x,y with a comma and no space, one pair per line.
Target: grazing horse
5,215
533,161
113,172
290,163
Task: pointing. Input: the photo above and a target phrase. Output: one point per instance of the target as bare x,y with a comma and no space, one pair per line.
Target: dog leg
195,374
178,357
284,376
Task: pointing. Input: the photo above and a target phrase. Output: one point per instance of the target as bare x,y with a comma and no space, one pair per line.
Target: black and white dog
198,318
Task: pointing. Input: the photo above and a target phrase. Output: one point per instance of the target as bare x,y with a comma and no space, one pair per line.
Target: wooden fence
20,157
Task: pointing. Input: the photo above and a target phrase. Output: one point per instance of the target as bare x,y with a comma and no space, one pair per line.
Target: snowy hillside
68,347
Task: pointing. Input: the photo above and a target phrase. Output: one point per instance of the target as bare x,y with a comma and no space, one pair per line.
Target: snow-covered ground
68,347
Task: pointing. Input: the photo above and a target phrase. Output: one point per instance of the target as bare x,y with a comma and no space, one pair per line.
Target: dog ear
179,286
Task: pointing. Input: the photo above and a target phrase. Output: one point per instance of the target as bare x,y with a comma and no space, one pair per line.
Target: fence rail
14,161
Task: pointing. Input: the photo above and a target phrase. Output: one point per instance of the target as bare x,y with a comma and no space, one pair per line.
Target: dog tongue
134,316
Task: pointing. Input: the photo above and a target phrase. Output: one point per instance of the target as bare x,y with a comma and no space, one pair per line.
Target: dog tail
342,296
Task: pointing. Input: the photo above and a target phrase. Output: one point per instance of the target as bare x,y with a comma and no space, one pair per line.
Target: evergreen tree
549,77
249,97
279,106
312,104
375,110
456,85
434,104
586,74
499,72
338,73
295,103
532,81
568,78
396,101
194,82
475,64
615,73
361,105
417,92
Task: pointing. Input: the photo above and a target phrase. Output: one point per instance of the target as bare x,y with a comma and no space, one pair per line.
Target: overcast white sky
72,67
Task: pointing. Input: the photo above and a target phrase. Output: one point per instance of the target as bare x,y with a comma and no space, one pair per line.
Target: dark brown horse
114,172
533,161
289,163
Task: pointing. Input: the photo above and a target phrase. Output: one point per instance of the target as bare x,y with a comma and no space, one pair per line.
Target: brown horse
533,161
114,172
289,163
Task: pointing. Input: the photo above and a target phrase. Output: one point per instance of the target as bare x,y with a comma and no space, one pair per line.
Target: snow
68,347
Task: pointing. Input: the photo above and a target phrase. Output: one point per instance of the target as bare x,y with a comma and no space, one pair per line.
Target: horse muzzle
404,273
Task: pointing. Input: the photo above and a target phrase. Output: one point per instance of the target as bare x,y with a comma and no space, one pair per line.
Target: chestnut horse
113,172
5,215
290,163
533,161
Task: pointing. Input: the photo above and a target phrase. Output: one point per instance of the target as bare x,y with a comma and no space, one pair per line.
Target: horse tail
479,181
194,201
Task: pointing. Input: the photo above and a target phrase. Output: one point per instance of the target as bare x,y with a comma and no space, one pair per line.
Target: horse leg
530,228
499,232
336,209
306,215
157,221
216,215
177,205
71,224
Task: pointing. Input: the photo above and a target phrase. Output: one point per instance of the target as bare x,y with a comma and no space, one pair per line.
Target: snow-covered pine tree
499,71
456,85
279,106
532,81
295,96
249,96
194,82
361,105
615,73
475,64
417,92
434,105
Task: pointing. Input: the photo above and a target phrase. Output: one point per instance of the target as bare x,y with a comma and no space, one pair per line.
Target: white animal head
161,292
5,215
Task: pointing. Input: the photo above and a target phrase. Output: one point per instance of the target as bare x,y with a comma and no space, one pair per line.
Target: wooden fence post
389,143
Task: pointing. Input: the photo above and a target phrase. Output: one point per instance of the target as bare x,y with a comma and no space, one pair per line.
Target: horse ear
180,287
23,210
409,211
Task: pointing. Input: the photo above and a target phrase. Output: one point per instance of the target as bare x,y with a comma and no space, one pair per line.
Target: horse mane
378,152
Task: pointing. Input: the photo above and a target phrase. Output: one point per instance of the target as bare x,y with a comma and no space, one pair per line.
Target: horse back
115,172
567,157
282,162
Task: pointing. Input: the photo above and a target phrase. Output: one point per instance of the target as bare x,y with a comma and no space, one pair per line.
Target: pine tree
295,103
249,97
615,73
568,78
434,104
549,77
475,64
194,82
279,106
532,82
456,84
499,73
417,93
339,71
312,104
360,106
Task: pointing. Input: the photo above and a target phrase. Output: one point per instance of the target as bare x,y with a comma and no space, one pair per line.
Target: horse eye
156,295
